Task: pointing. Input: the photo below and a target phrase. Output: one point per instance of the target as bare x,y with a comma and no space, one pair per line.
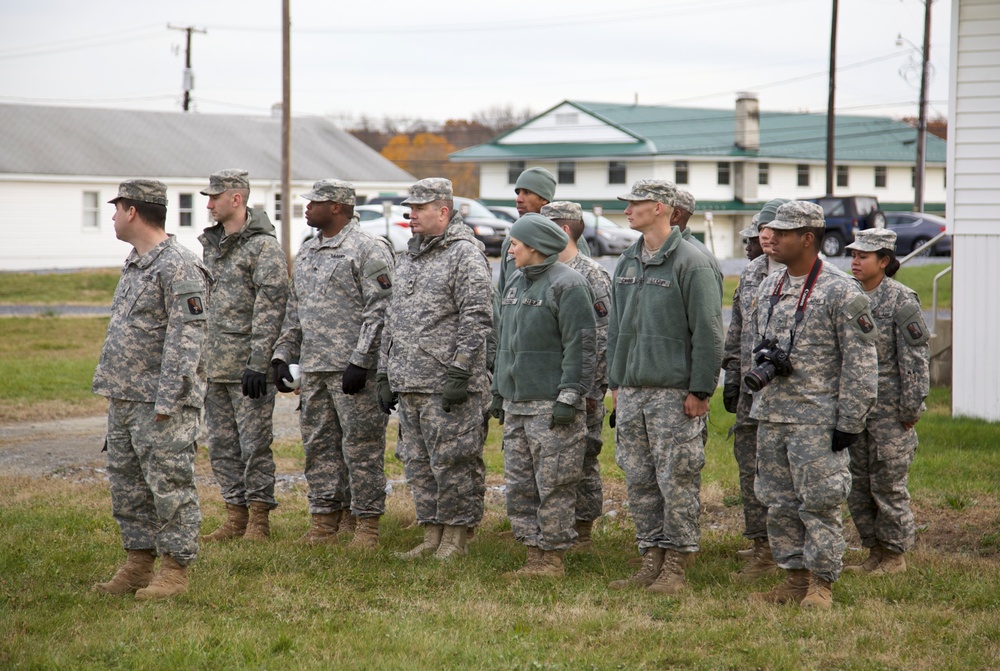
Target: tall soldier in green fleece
545,366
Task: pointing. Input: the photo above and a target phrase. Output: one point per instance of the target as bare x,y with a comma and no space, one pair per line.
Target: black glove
563,414
386,399
842,440
281,373
254,383
496,409
731,396
456,388
613,418
354,379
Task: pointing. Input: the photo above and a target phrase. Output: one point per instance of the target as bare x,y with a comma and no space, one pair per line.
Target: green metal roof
687,131
726,206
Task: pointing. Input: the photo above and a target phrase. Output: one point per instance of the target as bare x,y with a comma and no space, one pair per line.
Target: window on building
566,172
514,170
617,172
842,175
724,168
881,176
681,172
185,209
91,209
802,172
763,173
277,207
298,211
567,119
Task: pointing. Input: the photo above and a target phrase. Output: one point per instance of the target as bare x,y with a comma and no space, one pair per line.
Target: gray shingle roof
39,140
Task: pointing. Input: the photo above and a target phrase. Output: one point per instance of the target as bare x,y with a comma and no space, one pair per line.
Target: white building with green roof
731,160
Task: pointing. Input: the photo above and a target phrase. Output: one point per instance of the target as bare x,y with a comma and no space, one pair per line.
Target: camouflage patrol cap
796,214
873,240
752,231
563,209
222,181
144,190
428,190
331,190
685,200
660,190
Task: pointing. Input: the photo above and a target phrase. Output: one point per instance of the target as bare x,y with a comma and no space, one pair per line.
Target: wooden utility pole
830,119
188,72
925,55
286,133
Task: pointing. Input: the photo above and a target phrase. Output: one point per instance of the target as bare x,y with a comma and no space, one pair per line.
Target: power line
76,45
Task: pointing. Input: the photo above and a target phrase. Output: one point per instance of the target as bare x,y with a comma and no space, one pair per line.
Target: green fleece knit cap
540,233
539,181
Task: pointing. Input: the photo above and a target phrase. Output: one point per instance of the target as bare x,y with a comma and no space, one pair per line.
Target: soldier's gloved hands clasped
731,396
254,384
613,418
386,399
354,379
281,373
496,409
456,388
843,440
563,414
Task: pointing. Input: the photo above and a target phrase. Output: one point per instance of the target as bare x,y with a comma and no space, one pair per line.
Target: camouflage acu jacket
600,284
153,350
249,291
340,290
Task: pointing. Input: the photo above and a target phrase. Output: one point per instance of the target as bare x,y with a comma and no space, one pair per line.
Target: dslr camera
771,361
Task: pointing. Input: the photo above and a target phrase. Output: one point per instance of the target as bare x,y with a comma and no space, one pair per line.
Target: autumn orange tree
426,155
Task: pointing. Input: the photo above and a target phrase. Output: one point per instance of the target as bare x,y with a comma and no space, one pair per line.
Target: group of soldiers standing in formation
815,362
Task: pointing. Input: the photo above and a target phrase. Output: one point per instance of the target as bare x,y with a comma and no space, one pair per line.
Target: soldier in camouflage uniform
880,460
250,288
434,363
664,352
809,414
589,493
545,369
341,286
680,217
151,372
737,361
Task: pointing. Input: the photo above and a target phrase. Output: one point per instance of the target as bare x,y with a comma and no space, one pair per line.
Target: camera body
771,360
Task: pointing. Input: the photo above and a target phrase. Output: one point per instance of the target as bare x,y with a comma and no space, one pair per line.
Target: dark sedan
914,229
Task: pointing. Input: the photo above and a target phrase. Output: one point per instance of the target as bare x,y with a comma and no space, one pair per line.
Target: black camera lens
758,378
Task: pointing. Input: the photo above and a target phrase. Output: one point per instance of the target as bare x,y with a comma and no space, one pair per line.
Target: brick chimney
747,122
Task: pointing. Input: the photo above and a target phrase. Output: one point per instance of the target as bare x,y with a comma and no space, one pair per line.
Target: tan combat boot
452,542
234,527
671,579
792,590
531,564
365,533
748,554
583,536
549,564
170,580
432,539
819,595
259,525
892,562
324,528
134,574
870,563
761,565
652,562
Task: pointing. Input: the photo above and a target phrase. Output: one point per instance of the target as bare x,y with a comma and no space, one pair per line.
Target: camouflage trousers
745,451
660,449
442,454
239,443
151,470
542,467
803,483
344,440
589,492
879,502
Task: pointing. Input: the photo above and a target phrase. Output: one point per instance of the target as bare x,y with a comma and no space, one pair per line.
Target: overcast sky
441,60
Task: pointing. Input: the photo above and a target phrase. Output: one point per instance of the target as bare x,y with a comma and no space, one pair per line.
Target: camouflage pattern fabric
144,190
344,440
745,452
442,457
590,491
659,190
542,467
661,452
688,236
803,483
239,435
151,471
224,180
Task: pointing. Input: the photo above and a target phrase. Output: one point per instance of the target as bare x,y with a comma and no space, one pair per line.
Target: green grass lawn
85,287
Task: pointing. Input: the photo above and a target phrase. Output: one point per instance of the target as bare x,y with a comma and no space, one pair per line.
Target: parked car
914,229
844,215
378,200
373,222
487,228
607,237
508,214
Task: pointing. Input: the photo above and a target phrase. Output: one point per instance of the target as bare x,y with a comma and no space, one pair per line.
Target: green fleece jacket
665,328
548,335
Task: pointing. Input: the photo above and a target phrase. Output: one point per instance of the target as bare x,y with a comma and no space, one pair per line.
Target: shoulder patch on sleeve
910,321
191,294
378,270
859,315
187,287
600,309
